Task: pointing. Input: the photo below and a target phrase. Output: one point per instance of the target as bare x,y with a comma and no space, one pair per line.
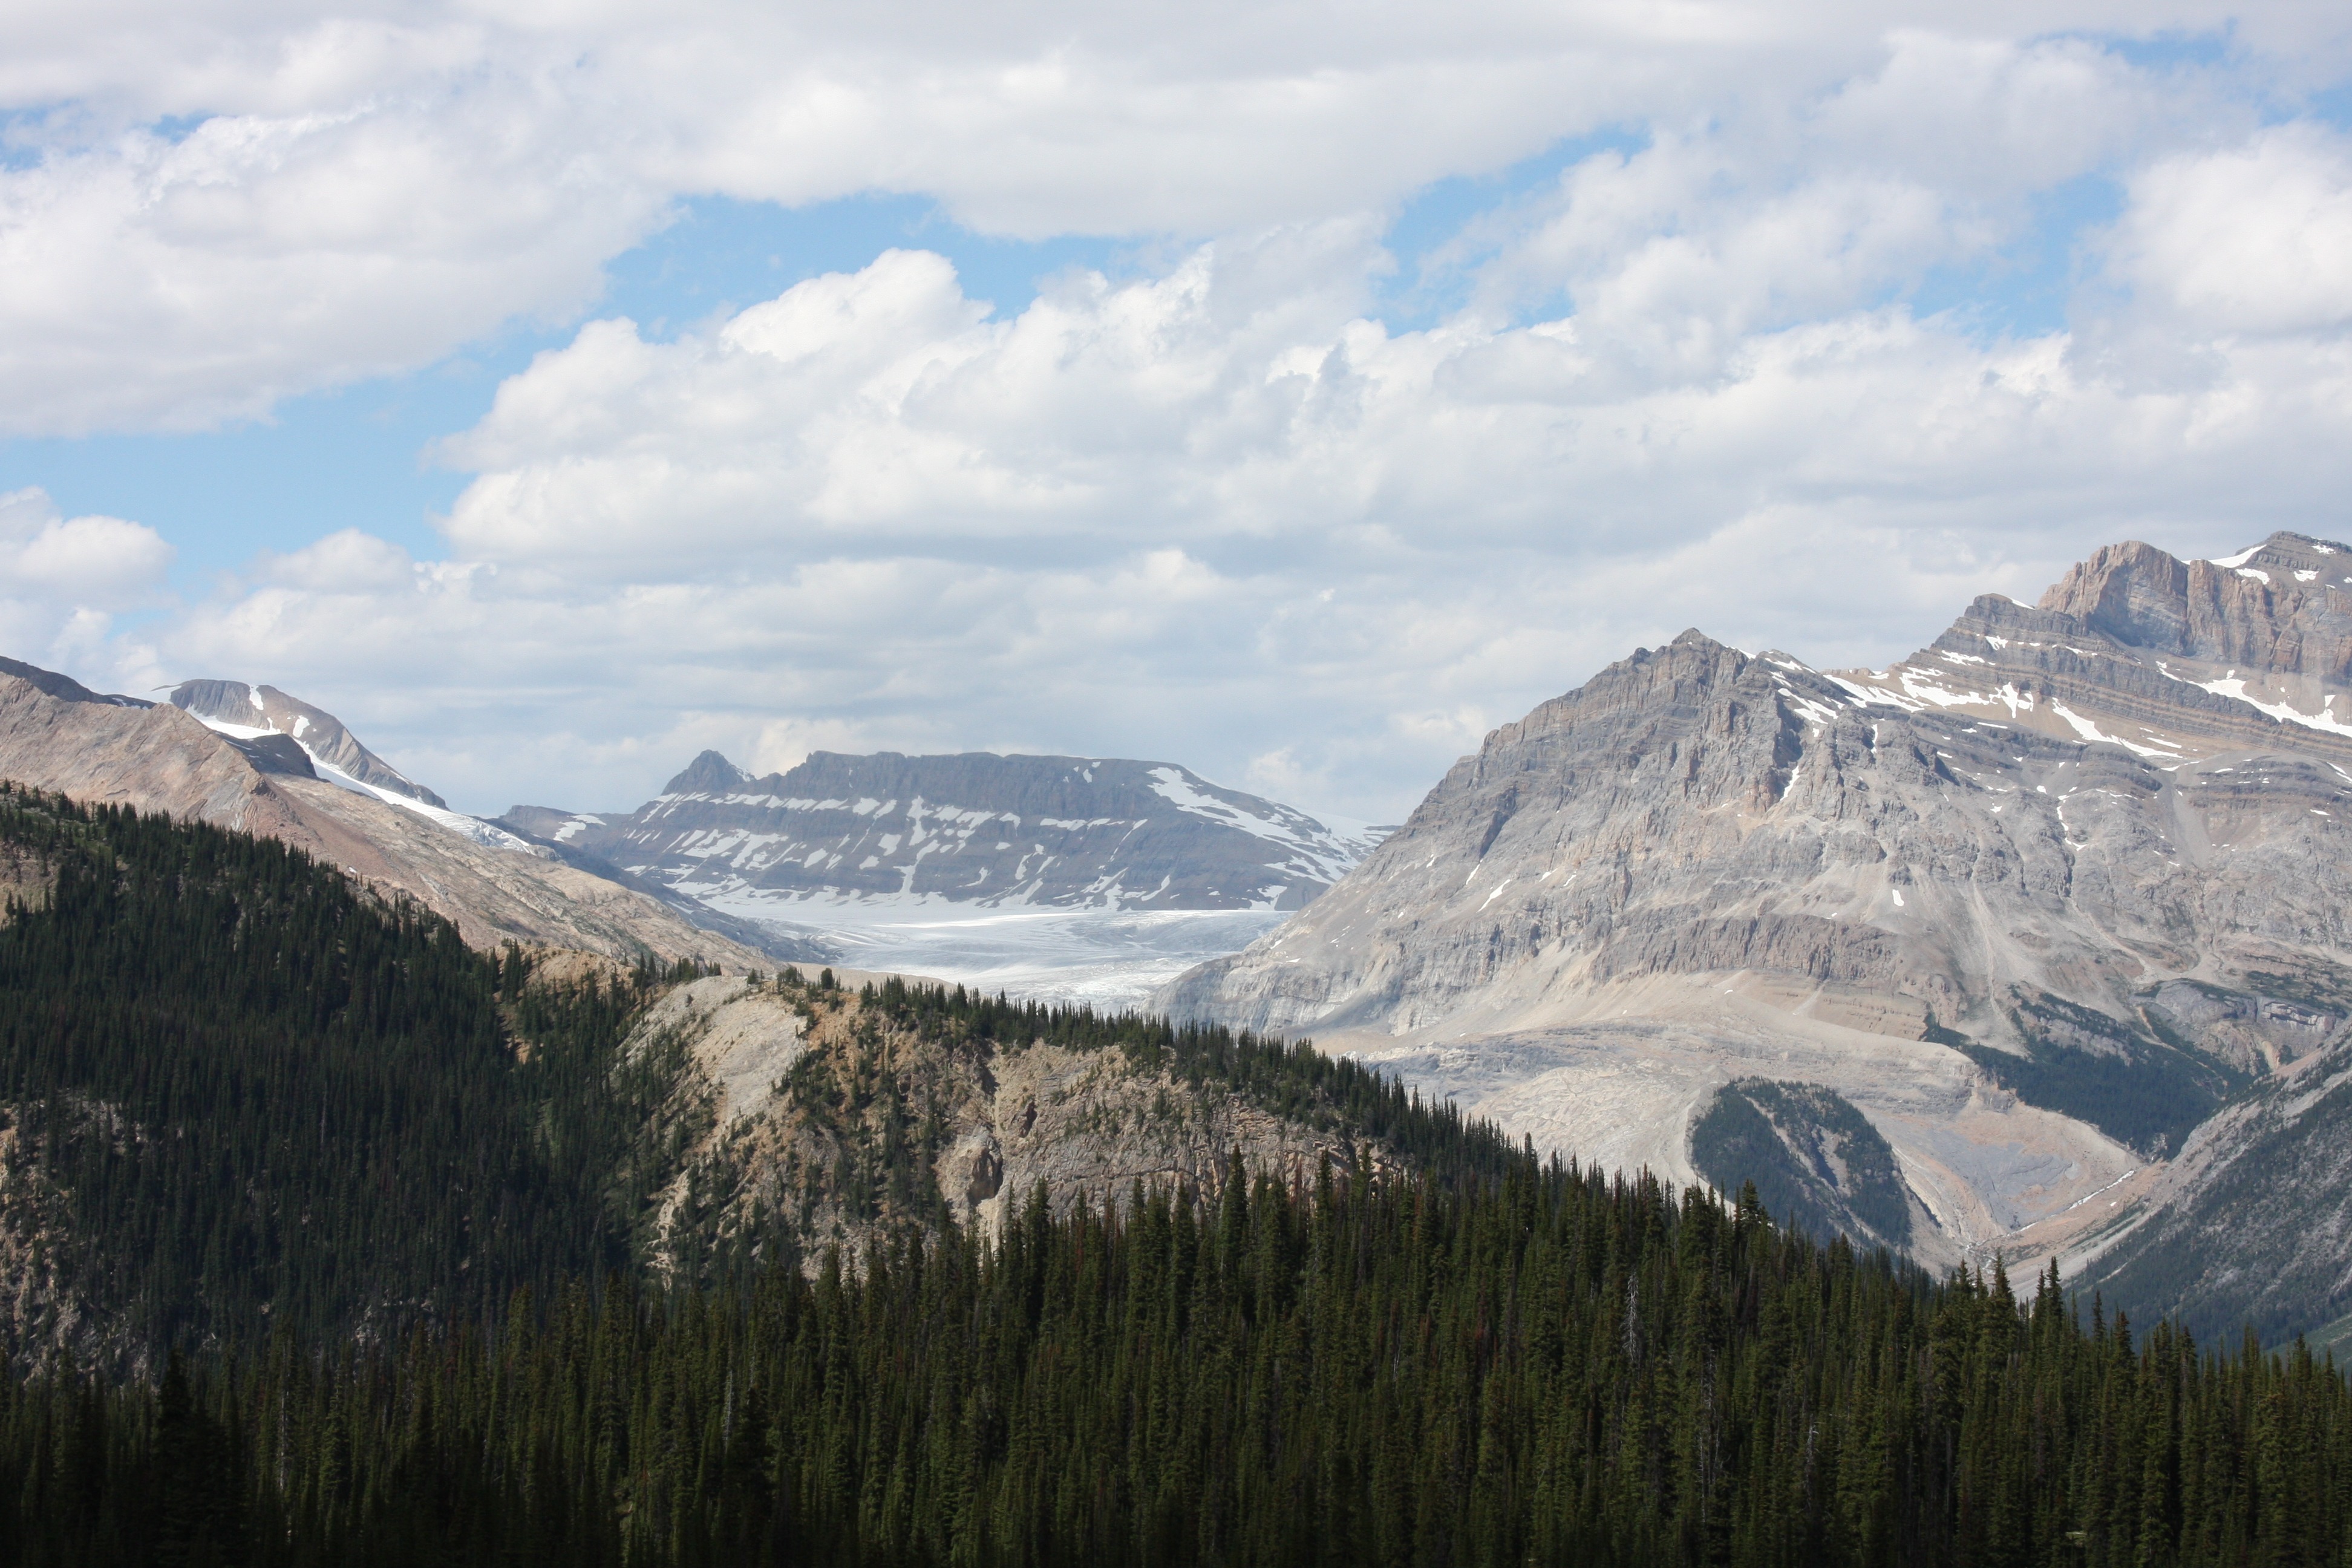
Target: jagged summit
710,774
2175,660
2280,606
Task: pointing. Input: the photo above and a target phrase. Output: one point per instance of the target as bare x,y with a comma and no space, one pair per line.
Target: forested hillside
1550,1367
237,1095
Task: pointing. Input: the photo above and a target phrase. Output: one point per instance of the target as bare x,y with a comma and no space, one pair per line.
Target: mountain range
2058,905
319,1170
2032,944
1075,866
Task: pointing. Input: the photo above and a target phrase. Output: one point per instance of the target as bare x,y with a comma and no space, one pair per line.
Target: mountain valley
238,1092
382,1188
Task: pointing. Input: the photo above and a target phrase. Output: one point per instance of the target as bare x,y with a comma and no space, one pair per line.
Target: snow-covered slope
1057,878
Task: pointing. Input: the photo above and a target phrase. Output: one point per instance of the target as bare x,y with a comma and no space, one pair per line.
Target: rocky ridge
250,712
2039,900
2172,660
57,735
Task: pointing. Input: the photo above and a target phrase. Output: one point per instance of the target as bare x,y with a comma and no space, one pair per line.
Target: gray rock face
2168,659
2037,900
977,827
262,714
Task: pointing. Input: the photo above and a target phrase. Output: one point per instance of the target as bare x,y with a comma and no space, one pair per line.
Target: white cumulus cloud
208,207
1214,514
63,579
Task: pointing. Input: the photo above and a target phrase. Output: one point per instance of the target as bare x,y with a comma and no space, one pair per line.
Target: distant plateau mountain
975,828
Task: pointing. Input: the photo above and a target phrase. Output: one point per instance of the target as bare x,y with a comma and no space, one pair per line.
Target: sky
1289,391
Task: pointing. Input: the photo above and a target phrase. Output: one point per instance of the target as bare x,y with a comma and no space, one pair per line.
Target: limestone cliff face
158,758
2283,607
1694,812
2038,900
2170,659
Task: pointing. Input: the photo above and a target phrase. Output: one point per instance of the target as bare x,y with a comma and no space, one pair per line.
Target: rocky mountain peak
710,774
1685,669
1988,896
2282,607
2172,659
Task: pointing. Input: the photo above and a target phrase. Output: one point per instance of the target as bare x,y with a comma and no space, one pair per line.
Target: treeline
1553,1367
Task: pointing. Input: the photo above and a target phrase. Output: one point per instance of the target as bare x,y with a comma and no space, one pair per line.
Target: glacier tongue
1072,879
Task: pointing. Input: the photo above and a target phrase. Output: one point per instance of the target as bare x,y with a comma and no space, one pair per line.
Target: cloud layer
1758,364
212,206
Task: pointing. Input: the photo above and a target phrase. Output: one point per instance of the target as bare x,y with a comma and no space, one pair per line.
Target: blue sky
1292,411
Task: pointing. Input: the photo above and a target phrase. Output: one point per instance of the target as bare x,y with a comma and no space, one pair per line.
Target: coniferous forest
364,1260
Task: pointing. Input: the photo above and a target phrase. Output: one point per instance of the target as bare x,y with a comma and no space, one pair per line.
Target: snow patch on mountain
473,828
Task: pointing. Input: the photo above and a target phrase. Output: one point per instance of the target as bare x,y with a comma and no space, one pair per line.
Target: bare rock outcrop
46,1308
814,1111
